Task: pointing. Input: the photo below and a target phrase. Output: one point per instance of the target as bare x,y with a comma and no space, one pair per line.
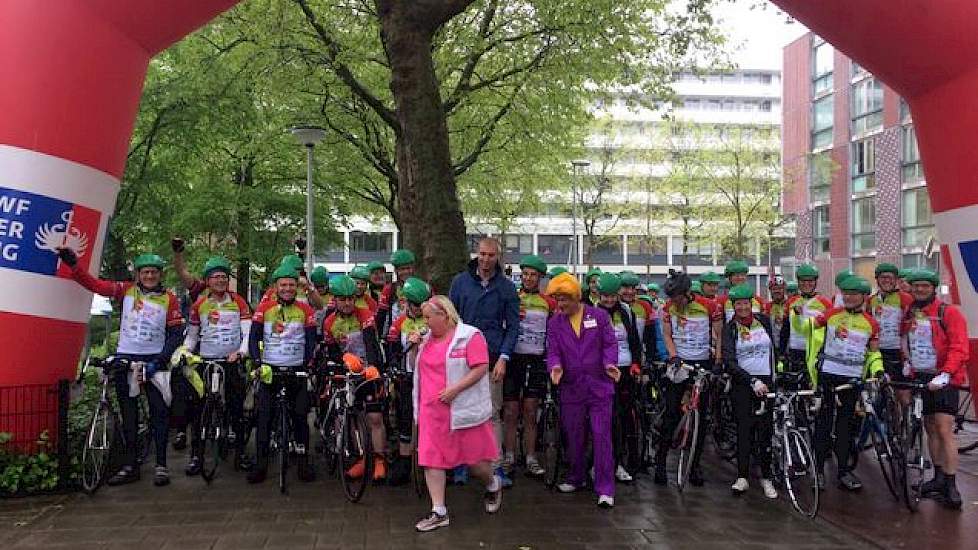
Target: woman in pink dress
453,407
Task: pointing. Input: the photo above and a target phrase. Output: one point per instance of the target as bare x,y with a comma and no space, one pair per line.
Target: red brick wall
839,194
796,82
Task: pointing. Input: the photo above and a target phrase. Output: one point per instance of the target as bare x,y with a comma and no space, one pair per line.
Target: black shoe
951,498
696,477
934,487
660,476
850,482
161,477
400,471
257,475
305,472
243,463
125,475
193,467
180,441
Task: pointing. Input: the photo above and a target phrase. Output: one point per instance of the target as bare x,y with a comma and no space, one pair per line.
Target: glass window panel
554,248
822,113
646,250
863,165
824,59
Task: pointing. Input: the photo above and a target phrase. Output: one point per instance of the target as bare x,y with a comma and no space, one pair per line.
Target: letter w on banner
33,227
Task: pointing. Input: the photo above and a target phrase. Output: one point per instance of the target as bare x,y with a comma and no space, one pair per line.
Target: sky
757,35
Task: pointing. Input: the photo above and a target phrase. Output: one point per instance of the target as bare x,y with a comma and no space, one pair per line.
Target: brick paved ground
230,514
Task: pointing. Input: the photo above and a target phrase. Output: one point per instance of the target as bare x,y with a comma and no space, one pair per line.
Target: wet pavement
189,515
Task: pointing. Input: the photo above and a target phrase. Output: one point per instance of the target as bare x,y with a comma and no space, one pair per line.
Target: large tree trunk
431,216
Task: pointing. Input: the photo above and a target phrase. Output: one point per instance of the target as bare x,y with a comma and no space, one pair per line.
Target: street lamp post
577,164
308,137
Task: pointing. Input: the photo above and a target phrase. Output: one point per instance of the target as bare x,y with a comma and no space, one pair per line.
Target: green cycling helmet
629,278
319,276
593,272
360,272
887,268
609,283
905,273
735,267
647,299
696,287
842,276
806,272
375,265
148,260
285,272
654,288
924,274
293,261
557,270
342,286
416,291
533,261
791,287
855,283
217,263
741,292
402,257
711,277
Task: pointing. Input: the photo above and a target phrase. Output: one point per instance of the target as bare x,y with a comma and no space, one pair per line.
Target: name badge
590,323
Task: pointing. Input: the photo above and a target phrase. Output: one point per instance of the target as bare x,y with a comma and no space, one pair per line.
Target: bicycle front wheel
888,461
914,464
798,473
550,446
213,434
687,437
98,444
355,449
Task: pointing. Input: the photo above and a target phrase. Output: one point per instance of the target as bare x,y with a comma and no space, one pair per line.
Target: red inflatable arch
72,72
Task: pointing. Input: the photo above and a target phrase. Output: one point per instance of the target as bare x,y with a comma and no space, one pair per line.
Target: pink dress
438,445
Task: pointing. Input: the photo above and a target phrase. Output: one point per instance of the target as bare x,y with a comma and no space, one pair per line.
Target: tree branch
333,50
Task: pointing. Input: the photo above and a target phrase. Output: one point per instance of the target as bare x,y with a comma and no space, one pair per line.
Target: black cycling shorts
517,384
944,400
893,364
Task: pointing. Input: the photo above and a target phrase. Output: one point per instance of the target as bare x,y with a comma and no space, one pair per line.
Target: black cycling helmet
678,283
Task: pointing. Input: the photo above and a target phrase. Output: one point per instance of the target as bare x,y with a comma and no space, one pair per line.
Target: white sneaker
604,501
533,468
741,485
566,488
769,490
622,474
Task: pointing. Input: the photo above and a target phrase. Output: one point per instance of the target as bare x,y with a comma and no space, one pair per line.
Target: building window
822,64
644,250
904,111
607,250
912,261
858,70
867,106
918,225
820,230
819,177
517,246
367,247
864,224
555,249
863,166
912,169
473,239
698,252
822,119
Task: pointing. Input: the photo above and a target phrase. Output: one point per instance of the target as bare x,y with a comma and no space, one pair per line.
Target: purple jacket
583,358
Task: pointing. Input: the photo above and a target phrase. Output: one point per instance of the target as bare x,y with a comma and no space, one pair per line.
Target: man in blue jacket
486,299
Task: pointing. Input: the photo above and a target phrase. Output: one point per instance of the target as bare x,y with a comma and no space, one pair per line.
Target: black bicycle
105,431
343,429
549,438
910,439
282,440
723,428
214,427
653,411
874,432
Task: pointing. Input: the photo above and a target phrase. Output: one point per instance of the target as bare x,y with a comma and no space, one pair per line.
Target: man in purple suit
582,352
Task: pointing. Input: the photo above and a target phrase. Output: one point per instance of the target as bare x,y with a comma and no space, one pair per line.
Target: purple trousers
575,418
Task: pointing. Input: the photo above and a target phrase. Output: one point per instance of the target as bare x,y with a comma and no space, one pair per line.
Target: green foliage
24,474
